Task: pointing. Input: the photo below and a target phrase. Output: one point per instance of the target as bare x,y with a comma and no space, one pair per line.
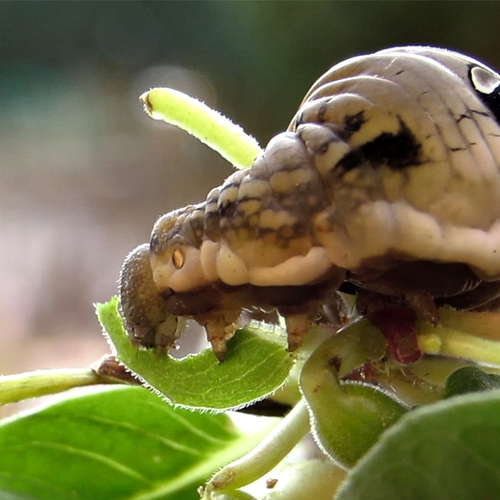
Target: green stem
206,124
437,340
22,386
269,453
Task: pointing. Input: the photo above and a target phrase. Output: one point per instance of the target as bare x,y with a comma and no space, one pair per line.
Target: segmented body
387,178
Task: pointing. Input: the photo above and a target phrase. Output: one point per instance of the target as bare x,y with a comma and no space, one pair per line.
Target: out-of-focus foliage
259,56
119,443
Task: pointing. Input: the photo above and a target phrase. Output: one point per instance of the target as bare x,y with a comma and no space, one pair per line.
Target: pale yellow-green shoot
206,124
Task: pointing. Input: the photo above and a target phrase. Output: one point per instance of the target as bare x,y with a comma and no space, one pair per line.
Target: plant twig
14,388
269,453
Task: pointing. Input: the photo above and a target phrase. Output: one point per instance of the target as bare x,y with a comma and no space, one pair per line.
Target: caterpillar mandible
387,181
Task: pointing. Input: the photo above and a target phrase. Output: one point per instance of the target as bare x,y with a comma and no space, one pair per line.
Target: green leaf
470,379
447,451
347,418
347,429
120,443
256,365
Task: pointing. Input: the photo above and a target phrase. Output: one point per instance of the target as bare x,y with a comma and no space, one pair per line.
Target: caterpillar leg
424,305
297,323
219,330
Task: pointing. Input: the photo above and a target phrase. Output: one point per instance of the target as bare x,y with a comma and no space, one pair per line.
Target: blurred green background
84,173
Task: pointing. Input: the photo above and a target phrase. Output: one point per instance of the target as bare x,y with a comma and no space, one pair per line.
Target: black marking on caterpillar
352,124
361,194
399,150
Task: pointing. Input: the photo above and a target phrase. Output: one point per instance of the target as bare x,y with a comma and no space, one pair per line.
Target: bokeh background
84,173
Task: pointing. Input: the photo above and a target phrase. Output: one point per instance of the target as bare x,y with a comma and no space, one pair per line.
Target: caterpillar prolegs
386,183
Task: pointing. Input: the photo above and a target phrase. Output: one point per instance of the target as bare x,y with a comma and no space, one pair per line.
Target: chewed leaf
114,444
257,364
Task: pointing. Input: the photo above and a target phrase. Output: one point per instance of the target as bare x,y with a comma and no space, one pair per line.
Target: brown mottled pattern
184,225
265,211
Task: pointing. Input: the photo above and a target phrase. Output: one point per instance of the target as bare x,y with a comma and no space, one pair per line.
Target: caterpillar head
164,281
144,311
175,251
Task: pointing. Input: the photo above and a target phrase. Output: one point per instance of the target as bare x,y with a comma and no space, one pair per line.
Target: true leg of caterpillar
297,326
219,330
298,320
424,305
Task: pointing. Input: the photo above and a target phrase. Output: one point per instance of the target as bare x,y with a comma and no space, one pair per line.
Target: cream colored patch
376,229
254,188
302,176
315,136
489,268
275,220
393,184
228,195
377,121
295,271
250,207
285,180
491,133
209,252
371,229
335,152
281,182
426,184
264,252
189,277
253,220
231,268
161,277
422,236
166,222
322,222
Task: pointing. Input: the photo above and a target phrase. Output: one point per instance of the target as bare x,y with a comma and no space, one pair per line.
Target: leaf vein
130,427
92,456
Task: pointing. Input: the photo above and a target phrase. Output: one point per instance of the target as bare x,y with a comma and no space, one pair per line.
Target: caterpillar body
387,180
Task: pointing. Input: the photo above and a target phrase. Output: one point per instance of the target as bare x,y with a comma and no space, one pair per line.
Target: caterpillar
386,182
